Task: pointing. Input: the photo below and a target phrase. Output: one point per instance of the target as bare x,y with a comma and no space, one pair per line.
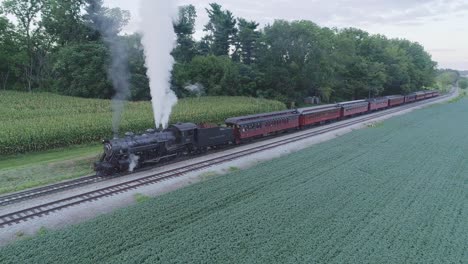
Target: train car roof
353,102
394,96
377,99
185,126
318,108
260,117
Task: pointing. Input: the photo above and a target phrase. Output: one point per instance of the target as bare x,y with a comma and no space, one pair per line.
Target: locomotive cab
184,133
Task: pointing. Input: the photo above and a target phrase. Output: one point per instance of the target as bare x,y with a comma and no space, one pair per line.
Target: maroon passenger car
395,100
377,103
354,107
410,98
420,96
252,126
315,115
430,94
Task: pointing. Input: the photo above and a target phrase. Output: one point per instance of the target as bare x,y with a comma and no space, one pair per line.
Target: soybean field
394,193
42,121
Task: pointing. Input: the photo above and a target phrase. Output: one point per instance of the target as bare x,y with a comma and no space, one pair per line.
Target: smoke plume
159,40
118,70
120,75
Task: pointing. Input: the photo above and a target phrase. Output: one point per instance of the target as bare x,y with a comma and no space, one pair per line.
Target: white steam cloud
159,41
196,88
133,162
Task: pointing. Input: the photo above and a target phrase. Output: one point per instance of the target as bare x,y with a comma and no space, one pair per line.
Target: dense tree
247,41
79,70
463,83
9,53
29,29
218,75
139,82
184,29
363,75
446,78
294,58
63,21
221,30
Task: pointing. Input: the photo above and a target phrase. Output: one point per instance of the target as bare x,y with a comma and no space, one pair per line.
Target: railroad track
49,189
46,208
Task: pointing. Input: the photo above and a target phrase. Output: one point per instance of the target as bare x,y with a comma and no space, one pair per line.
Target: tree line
55,45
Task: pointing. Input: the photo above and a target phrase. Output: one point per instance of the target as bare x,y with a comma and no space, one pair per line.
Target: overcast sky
441,26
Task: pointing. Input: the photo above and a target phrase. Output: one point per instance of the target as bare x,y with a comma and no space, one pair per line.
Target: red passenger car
410,98
354,107
315,115
395,100
252,126
420,96
430,94
377,103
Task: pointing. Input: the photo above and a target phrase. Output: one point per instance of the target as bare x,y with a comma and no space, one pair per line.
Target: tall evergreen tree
221,30
184,29
248,37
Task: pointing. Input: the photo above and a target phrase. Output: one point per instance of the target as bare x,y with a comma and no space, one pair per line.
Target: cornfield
41,121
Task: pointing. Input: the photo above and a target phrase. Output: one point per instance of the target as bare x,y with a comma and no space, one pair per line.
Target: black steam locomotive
133,151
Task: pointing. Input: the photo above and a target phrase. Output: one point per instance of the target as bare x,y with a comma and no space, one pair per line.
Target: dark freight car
216,136
314,115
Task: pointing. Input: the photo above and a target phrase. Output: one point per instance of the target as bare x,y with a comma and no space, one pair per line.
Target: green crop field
394,193
41,121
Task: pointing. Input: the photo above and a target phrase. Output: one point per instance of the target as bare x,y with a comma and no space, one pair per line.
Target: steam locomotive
183,139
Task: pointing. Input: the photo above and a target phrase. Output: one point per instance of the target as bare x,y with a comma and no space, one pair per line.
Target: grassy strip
25,171
395,193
